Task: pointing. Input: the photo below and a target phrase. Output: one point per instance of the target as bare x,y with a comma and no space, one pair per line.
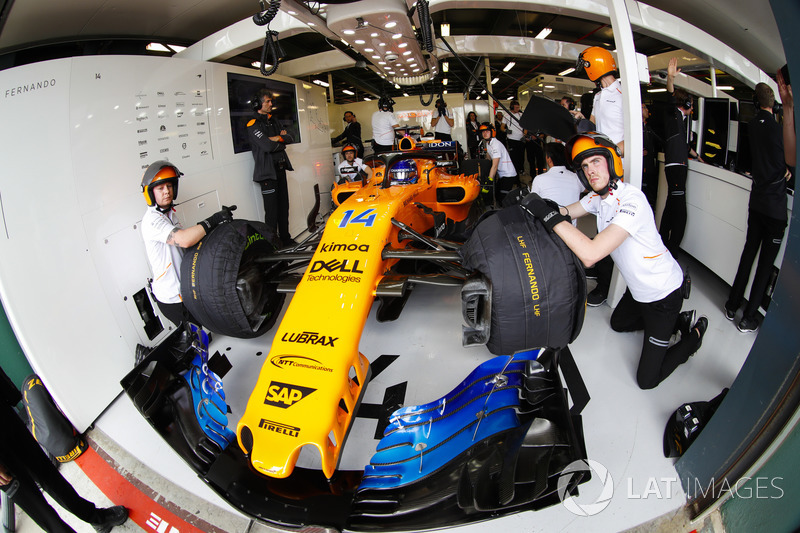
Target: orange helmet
349,148
486,126
597,61
156,173
592,143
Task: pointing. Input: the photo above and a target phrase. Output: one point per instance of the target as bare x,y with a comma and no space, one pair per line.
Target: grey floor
623,424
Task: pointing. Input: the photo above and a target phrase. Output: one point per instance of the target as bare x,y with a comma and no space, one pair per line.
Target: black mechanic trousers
516,151
765,233
658,320
275,194
29,465
673,220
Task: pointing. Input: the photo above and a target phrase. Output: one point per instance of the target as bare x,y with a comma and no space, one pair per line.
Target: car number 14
365,217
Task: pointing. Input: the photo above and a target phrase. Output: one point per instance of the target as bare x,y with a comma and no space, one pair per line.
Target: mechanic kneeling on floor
165,240
626,230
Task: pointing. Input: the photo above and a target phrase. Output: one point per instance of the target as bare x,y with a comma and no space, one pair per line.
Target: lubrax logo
335,265
284,395
283,429
309,337
336,247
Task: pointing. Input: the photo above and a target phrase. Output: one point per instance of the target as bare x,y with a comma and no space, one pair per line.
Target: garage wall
77,134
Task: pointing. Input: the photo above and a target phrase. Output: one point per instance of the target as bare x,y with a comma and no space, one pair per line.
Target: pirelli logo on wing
277,427
285,395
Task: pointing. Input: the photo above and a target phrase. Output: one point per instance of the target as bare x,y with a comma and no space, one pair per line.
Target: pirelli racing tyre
538,284
224,286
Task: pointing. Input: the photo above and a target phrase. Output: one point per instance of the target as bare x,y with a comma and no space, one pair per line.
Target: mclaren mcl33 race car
495,444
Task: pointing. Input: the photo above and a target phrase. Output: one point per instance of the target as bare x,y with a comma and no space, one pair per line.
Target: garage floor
623,425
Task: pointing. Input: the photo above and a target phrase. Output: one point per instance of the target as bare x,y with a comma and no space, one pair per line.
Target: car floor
623,425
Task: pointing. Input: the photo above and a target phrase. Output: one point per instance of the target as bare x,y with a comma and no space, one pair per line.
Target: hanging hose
425,24
271,52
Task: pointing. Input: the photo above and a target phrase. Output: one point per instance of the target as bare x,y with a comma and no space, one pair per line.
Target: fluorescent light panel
544,33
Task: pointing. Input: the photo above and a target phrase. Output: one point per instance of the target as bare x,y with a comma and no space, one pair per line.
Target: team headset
256,102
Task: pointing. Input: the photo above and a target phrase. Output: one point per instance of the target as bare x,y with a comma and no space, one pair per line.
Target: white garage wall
73,148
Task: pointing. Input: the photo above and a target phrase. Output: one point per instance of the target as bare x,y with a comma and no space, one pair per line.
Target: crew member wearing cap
627,231
165,239
352,168
502,174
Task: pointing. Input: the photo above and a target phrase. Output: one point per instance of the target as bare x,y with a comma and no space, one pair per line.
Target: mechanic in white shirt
514,137
627,231
559,183
165,239
442,122
352,168
502,167
383,126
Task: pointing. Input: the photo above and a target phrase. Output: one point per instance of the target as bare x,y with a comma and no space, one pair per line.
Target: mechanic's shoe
596,298
110,517
685,321
700,326
288,242
747,325
730,315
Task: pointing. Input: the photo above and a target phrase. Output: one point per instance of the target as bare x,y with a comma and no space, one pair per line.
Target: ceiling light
570,70
407,53
373,34
397,35
661,90
367,99
346,91
360,41
381,62
311,24
177,48
725,87
415,70
369,49
510,98
396,86
402,45
509,66
478,97
445,66
549,86
381,44
444,81
444,92
390,71
483,91
524,92
321,83
292,13
544,33
445,29
405,94
495,80
390,25
157,47
348,32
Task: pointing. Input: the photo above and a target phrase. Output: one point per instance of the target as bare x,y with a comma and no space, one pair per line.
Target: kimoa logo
337,247
309,337
285,395
335,266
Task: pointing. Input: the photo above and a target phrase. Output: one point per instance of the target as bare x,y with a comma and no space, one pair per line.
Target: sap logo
309,337
334,247
284,395
277,427
335,266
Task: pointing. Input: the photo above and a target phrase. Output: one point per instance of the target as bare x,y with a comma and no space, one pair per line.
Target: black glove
439,111
545,210
224,215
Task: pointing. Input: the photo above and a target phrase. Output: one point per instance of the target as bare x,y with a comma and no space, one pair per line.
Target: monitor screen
242,90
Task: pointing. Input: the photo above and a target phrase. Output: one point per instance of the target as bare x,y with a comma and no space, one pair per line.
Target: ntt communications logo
600,473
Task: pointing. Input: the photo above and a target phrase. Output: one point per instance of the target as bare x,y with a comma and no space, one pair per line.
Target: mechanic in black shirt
651,144
676,157
23,465
766,216
268,142
351,134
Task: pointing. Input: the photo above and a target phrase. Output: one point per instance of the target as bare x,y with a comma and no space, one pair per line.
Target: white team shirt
647,266
496,150
607,110
350,170
513,128
382,130
165,260
442,126
560,185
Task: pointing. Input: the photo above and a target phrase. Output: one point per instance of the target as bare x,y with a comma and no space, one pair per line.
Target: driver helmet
597,62
349,148
385,103
404,172
592,143
157,173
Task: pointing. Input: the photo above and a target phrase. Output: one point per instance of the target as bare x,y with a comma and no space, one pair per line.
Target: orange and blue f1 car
496,444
